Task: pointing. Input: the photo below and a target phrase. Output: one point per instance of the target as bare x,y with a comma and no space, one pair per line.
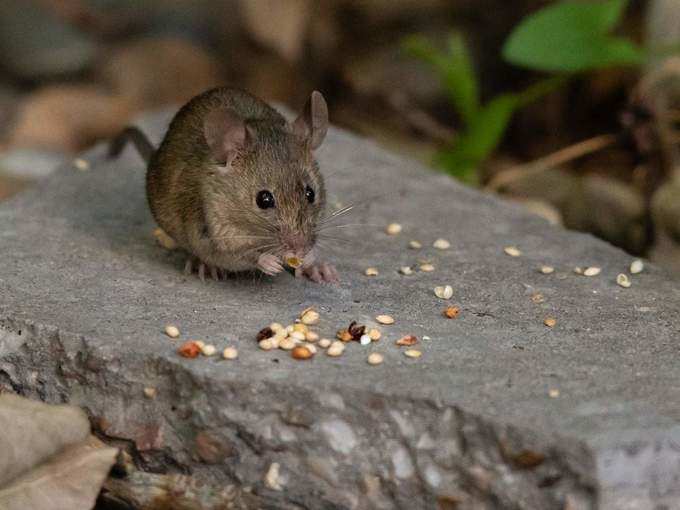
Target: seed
578,270
592,271
208,350
623,281
189,349
81,164
537,298
407,341
150,392
513,251
553,393
413,353
636,266
385,319
164,239
301,352
266,344
336,349
271,479
275,341
310,317
344,335
415,245
297,335
200,343
172,331
375,358
550,322
230,353
547,269
374,334
443,292
300,328
276,327
311,336
364,339
294,262
426,338
371,271
451,312
287,344
427,268
441,244
312,348
264,333
290,328
406,270
324,343
393,229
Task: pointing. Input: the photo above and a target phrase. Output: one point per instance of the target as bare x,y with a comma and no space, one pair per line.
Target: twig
558,158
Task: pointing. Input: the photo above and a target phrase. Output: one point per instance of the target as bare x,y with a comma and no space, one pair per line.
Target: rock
67,118
154,72
36,44
90,291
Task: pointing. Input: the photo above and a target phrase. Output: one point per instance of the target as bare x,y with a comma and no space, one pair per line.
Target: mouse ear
312,124
225,133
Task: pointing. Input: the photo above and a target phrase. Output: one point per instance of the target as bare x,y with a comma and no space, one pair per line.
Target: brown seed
356,330
550,322
451,312
344,335
265,333
301,352
294,262
374,334
385,319
190,349
407,340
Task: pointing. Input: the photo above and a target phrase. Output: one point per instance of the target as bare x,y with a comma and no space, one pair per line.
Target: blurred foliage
563,38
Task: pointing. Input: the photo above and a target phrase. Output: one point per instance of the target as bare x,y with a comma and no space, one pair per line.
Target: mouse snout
296,243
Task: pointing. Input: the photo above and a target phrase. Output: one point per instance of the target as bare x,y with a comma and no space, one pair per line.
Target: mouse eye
264,199
309,194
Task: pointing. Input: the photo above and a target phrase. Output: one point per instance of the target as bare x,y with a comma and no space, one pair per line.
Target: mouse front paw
319,272
269,264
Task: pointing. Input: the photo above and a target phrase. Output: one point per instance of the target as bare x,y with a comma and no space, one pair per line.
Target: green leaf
572,36
481,137
454,69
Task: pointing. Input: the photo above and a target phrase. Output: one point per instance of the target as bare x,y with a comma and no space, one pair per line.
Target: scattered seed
275,341
451,312
553,393
547,269
297,335
276,327
81,164
172,331
300,328
356,330
415,245
344,335
578,270
230,353
311,336
336,349
189,349
312,348
407,341
443,292
405,270
413,353
371,271
310,317
266,344
374,334
364,339
294,262
264,333
385,319
375,358
592,271
426,338
393,229
537,298
301,352
150,392
550,322
164,239
637,266
513,251
623,281
271,479
208,350
426,268
200,343
441,244
287,344
324,343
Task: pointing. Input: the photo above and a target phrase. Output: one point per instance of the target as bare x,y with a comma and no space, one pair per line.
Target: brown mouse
237,186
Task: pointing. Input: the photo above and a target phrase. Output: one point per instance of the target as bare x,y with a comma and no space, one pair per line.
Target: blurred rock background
74,72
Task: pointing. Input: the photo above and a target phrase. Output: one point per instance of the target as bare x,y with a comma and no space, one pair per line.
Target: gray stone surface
85,293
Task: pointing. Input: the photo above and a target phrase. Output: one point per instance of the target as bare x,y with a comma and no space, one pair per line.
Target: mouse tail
132,134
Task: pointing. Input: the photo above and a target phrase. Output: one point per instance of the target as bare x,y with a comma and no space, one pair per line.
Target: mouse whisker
345,225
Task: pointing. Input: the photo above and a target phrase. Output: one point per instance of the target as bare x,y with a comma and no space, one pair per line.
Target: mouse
237,186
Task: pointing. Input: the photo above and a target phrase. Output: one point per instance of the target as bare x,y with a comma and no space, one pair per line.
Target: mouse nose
295,241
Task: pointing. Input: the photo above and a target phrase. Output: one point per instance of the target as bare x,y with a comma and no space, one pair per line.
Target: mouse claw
320,272
269,264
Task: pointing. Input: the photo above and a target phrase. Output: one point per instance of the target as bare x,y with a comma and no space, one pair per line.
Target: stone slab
85,293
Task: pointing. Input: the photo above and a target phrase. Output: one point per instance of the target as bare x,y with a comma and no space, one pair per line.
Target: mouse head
267,174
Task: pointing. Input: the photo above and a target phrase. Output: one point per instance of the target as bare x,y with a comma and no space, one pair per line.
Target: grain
385,319
393,229
375,358
172,331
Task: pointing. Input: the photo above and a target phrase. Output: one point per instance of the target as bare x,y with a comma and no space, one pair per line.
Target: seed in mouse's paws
294,262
